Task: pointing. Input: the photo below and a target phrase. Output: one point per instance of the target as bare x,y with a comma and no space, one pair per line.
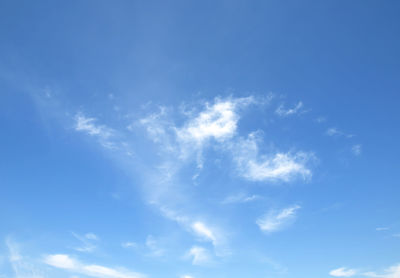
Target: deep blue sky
199,139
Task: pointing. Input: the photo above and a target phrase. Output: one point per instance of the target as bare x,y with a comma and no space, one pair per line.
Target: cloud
320,120
240,198
21,265
152,245
279,166
186,276
217,121
199,255
87,241
391,272
382,229
129,244
69,264
181,141
277,220
343,272
281,111
88,126
204,232
356,149
333,131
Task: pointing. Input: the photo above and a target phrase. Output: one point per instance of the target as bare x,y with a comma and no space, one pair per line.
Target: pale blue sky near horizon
199,139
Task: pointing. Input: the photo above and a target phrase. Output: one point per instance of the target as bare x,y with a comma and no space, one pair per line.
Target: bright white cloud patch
277,220
218,121
278,166
72,265
343,272
203,231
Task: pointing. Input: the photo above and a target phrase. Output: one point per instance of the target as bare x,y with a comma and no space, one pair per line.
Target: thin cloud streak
67,263
276,220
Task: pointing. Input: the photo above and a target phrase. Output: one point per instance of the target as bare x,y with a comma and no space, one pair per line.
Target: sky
199,139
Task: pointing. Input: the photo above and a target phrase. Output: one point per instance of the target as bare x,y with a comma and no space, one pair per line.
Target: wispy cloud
153,246
181,142
240,198
199,255
277,220
382,229
333,131
391,272
284,112
356,149
21,266
88,125
88,242
129,244
343,272
67,263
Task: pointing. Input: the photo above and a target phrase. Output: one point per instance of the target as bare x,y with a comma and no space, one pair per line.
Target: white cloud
186,276
343,272
240,198
199,255
91,236
87,242
203,231
67,263
88,126
20,264
276,220
129,244
356,149
281,111
333,131
152,245
279,166
61,261
382,229
218,121
391,272
156,125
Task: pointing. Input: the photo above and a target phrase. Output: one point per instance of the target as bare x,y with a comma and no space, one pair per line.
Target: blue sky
199,139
